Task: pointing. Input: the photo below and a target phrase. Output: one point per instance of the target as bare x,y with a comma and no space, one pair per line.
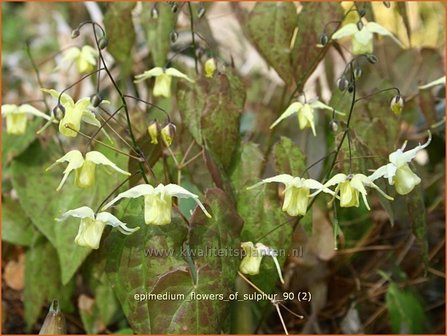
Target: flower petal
439,81
9,109
75,161
320,105
180,192
336,179
157,71
374,27
292,109
66,100
82,212
347,30
135,192
99,158
26,108
175,73
111,220
281,178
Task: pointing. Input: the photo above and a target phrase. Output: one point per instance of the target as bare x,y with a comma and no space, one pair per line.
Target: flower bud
96,99
59,112
153,132
357,72
333,124
397,104
201,12
154,12
371,58
324,39
342,83
362,12
173,36
387,4
210,68
359,25
174,7
350,88
75,33
54,323
168,133
103,42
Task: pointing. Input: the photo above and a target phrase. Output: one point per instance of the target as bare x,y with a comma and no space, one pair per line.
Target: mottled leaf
119,29
271,26
16,226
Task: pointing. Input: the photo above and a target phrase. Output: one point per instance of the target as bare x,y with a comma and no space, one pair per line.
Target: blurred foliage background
387,274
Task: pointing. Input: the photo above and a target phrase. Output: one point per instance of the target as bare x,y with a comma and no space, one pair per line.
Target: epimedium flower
85,168
398,172
163,79
350,186
84,58
17,117
157,201
251,262
92,226
305,112
362,35
296,192
210,68
70,124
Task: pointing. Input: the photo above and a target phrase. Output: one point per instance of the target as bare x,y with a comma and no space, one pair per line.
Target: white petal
71,54
90,118
99,158
313,184
292,109
336,179
82,212
374,27
110,219
9,109
282,178
347,30
66,100
26,108
175,73
157,71
177,191
439,81
320,105
135,192
75,161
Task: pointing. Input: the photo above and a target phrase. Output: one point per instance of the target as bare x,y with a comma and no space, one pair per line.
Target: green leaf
14,145
248,166
221,116
418,218
36,190
166,270
17,228
158,30
119,29
311,23
42,280
289,159
271,26
405,311
191,101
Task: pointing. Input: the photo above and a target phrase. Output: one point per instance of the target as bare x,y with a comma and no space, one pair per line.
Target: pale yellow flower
305,112
85,168
157,201
251,262
398,171
17,117
163,79
85,58
296,192
92,226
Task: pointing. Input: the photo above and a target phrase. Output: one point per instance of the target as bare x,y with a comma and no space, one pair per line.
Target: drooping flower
398,172
85,168
350,186
92,226
439,81
84,58
17,117
305,112
152,130
251,262
163,79
74,113
362,39
296,192
157,201
168,133
210,68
